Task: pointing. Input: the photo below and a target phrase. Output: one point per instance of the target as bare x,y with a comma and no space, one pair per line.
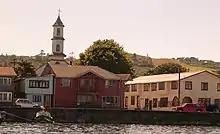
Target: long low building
160,92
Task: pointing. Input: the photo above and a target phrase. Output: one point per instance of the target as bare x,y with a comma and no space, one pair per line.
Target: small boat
44,119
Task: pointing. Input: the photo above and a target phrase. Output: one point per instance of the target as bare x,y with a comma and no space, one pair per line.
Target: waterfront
24,128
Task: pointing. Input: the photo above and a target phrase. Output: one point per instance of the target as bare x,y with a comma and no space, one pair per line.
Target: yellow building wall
195,93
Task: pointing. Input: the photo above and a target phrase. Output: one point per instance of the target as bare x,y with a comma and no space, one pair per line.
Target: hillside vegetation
140,63
144,63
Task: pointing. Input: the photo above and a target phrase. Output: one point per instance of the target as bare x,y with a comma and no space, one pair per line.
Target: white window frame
8,80
37,98
109,103
65,82
9,97
110,83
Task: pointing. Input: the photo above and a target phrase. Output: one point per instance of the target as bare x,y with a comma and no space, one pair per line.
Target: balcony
87,89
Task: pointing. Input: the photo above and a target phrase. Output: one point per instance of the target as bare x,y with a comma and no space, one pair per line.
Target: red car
190,107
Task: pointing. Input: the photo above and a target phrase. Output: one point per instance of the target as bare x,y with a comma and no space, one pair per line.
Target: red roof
7,71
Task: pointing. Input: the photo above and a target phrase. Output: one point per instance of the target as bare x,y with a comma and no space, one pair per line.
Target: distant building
162,90
37,89
7,75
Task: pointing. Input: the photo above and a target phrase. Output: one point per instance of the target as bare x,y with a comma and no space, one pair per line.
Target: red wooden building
85,86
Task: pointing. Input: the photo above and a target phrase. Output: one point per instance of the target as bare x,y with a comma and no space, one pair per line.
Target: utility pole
179,85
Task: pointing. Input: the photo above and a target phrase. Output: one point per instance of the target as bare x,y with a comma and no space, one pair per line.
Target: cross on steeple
59,11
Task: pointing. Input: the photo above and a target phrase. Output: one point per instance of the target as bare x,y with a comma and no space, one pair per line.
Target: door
47,101
146,104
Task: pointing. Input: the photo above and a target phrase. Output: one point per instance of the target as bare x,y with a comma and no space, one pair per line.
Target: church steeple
58,39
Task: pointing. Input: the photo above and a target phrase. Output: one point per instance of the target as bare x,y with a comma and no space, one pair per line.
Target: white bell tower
58,40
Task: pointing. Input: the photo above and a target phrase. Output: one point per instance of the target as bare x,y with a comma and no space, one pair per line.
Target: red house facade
85,86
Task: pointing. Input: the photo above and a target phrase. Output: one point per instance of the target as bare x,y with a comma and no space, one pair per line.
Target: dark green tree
24,69
108,55
167,68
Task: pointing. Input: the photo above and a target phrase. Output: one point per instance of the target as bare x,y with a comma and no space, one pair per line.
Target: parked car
190,107
25,103
213,108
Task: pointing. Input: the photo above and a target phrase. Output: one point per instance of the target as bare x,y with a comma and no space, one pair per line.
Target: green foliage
108,55
167,68
24,69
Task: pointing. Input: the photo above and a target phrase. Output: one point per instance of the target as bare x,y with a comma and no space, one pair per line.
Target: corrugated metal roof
162,77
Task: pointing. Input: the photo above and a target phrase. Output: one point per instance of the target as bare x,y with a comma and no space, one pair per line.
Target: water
19,128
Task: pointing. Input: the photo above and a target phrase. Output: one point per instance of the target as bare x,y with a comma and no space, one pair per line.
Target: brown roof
7,71
124,76
77,71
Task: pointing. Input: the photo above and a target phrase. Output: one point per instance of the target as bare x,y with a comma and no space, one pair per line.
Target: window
5,96
174,85
206,101
188,85
163,102
161,85
218,87
110,83
134,87
132,100
153,86
137,101
110,99
57,48
126,101
154,102
38,84
65,82
58,31
5,81
127,88
217,101
204,86
36,98
87,83
146,86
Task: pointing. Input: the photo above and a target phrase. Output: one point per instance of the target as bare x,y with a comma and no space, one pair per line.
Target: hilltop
144,63
141,63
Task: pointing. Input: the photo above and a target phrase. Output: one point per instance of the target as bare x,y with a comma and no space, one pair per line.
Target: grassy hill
144,63
141,63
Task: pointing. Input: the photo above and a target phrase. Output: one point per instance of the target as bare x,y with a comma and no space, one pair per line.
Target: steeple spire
59,11
58,21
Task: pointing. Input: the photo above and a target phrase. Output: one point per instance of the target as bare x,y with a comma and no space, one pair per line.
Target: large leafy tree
167,68
24,69
108,55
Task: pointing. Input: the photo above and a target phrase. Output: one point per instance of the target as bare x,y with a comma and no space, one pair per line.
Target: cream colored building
162,90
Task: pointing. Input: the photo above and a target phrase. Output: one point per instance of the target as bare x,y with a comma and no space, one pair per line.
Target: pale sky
160,28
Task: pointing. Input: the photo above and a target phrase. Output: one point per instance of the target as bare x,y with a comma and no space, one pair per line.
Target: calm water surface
19,128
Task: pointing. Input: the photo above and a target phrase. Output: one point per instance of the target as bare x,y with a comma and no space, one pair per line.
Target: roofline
181,78
81,74
8,75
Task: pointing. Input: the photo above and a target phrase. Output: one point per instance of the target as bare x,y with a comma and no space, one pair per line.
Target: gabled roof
163,77
40,70
77,71
124,77
7,71
58,22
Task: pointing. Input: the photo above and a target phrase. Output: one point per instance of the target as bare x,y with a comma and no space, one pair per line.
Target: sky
159,28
